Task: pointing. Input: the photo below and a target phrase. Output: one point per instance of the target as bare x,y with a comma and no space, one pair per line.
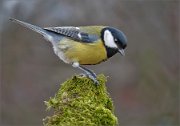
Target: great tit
84,45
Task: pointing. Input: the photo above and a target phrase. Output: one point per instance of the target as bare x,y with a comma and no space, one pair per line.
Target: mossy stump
79,102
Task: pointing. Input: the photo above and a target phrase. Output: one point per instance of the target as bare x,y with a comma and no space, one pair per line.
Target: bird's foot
88,73
90,76
93,78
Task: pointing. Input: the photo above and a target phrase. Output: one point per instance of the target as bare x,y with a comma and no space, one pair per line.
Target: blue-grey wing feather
73,33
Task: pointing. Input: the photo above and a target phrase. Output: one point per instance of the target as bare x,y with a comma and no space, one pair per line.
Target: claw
88,73
93,78
96,82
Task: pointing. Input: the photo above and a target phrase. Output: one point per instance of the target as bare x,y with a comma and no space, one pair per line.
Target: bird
82,45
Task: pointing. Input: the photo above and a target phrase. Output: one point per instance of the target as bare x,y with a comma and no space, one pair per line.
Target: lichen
79,102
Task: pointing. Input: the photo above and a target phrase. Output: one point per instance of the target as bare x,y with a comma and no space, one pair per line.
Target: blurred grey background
144,84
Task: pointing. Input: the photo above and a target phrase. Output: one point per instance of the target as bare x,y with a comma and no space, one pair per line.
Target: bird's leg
90,74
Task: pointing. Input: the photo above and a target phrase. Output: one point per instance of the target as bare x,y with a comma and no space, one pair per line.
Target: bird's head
114,41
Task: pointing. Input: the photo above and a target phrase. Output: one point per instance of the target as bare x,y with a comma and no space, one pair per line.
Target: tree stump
79,102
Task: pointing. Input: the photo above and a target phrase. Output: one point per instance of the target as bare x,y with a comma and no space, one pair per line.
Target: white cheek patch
109,40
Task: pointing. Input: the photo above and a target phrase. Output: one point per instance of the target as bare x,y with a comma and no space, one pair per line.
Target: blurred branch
80,102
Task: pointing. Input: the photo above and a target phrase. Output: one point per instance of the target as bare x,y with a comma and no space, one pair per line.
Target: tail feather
30,26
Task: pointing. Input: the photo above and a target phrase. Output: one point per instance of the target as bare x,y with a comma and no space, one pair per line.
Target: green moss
79,102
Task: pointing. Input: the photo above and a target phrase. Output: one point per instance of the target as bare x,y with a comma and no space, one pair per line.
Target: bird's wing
74,33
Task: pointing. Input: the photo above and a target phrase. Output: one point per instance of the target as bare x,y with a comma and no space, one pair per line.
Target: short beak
122,52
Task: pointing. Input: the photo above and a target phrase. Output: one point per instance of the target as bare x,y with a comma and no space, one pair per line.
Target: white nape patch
75,64
109,39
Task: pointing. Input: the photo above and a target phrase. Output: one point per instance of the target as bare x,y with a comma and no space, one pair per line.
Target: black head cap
119,37
114,40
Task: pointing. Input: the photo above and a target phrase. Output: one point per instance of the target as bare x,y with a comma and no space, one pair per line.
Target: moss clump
79,102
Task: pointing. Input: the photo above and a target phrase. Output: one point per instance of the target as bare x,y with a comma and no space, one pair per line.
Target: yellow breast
84,53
